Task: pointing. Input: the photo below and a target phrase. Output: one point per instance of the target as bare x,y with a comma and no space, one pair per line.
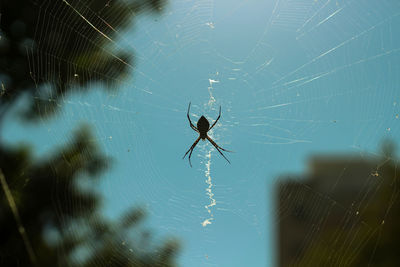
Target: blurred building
343,212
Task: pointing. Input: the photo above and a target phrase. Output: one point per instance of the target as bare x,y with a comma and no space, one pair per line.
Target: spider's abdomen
203,125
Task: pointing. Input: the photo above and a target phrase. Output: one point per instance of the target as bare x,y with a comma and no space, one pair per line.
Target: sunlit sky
293,79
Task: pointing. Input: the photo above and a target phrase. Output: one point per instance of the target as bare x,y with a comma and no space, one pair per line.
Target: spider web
293,78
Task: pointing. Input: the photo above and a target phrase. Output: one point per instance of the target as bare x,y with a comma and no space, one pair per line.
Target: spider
203,126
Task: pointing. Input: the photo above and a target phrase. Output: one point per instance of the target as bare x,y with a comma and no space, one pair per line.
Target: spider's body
203,126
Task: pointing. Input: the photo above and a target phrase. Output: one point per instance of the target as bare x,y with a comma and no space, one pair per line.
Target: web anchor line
21,228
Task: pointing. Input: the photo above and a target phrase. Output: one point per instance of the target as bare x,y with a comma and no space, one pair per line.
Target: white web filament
209,192
207,172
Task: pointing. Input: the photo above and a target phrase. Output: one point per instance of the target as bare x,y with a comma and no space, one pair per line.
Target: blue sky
293,78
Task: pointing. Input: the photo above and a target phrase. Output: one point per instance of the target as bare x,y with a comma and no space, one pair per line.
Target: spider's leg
190,122
190,156
191,150
194,128
218,148
215,122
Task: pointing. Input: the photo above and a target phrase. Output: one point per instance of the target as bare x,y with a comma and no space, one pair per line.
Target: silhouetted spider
203,126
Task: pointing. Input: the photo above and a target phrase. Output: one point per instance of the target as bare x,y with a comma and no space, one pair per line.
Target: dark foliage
48,49
51,202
